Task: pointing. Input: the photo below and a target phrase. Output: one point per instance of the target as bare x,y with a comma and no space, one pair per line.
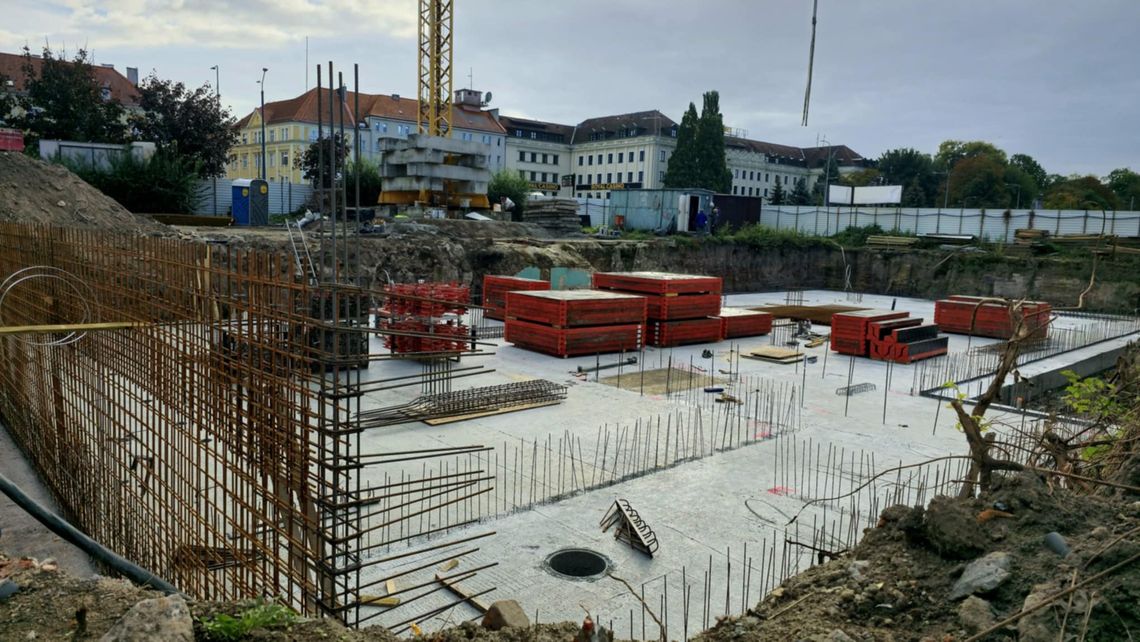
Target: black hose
59,526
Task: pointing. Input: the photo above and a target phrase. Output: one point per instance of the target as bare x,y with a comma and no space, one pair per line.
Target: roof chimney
395,96
133,75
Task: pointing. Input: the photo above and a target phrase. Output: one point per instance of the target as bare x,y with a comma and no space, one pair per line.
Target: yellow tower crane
435,29
435,116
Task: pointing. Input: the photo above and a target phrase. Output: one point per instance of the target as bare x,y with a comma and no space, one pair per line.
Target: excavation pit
578,564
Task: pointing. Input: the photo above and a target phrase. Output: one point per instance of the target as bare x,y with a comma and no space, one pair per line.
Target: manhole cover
578,563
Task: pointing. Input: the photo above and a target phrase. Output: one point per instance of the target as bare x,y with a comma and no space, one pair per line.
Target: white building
540,153
632,151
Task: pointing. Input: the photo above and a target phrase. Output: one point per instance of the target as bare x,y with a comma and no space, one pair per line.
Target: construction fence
215,197
993,225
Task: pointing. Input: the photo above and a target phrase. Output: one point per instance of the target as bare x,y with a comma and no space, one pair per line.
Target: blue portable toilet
250,202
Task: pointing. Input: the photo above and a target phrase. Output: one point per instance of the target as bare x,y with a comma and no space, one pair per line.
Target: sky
1054,79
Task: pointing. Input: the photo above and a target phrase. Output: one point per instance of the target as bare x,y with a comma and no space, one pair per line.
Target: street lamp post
218,100
1018,186
264,160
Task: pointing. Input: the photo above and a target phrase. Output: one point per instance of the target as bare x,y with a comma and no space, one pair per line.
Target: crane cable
811,61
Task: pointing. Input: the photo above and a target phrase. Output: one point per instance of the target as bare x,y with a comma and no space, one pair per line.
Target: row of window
743,192
547,159
284,156
545,136
540,176
621,157
747,175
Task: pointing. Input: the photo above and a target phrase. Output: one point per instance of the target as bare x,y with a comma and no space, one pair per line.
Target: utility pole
264,160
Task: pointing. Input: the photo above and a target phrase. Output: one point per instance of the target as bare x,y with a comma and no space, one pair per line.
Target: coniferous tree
800,195
712,166
683,162
778,197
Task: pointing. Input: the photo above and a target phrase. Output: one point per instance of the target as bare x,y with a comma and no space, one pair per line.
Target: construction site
451,427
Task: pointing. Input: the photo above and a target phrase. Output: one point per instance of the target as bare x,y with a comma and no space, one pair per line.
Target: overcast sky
1056,79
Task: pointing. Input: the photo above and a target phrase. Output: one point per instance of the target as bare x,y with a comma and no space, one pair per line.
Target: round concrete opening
578,563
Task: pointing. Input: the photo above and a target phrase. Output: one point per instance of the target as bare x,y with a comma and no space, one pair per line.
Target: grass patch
224,628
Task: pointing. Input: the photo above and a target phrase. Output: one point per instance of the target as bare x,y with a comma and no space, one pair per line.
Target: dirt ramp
32,191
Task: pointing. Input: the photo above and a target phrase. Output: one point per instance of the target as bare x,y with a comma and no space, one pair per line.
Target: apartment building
292,125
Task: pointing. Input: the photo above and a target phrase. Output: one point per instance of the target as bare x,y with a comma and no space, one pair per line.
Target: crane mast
435,73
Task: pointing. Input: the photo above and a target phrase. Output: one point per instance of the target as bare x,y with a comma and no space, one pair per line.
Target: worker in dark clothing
702,222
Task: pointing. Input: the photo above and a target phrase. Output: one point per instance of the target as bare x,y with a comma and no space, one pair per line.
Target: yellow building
290,127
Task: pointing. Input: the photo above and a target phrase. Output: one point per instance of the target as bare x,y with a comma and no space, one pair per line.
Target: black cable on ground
61,527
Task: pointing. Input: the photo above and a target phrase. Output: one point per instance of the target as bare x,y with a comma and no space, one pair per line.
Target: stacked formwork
495,290
738,323
429,309
885,335
987,318
567,323
680,308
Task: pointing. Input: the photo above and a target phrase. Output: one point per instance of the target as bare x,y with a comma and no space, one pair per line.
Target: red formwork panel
569,342
879,330
973,315
741,322
664,283
495,290
887,348
682,306
576,308
427,299
919,350
663,334
849,329
449,337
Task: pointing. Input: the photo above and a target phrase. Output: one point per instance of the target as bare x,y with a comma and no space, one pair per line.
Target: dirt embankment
464,251
32,191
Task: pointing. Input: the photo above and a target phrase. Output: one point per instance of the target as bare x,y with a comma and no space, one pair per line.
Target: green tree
861,178
1020,186
778,196
978,181
800,195
913,170
1025,163
1080,193
317,159
7,100
64,101
829,175
509,184
950,152
1125,183
712,166
682,170
370,183
189,123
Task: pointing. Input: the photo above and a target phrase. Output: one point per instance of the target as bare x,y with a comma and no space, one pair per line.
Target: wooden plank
439,421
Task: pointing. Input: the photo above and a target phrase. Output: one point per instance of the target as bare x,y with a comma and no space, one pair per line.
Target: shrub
163,184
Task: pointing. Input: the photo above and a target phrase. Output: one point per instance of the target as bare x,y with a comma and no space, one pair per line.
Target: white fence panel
992,224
